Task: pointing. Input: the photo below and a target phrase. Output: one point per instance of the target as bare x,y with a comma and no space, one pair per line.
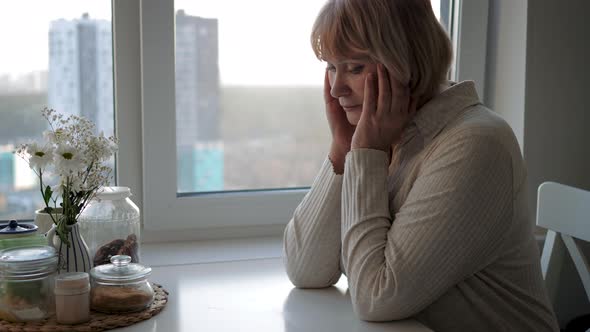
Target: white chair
565,212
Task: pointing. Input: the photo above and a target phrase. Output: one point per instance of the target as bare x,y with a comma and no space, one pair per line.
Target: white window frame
469,31
145,102
127,95
145,108
166,210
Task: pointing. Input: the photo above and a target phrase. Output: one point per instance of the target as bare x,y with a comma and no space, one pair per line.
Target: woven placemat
98,321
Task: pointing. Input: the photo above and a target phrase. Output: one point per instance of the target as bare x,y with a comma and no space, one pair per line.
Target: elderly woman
422,199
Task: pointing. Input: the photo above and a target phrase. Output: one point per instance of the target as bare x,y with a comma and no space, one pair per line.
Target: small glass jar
26,283
110,226
15,234
15,230
72,298
120,287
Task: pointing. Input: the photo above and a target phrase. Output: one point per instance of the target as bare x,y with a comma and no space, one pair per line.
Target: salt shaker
72,298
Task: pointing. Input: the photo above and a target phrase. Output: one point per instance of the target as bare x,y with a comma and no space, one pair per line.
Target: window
468,24
249,114
249,106
246,158
236,169
58,55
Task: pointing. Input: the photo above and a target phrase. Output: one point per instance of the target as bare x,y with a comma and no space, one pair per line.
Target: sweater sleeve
449,227
311,246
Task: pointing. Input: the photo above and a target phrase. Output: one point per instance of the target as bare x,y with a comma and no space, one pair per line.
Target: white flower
67,159
49,135
54,137
113,146
39,156
75,184
97,148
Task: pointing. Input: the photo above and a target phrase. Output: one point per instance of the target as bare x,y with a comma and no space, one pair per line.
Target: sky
24,27
255,47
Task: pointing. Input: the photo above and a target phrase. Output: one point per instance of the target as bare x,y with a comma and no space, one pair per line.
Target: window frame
147,156
469,32
144,98
127,95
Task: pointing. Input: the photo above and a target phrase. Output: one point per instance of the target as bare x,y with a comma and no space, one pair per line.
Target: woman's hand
387,108
341,129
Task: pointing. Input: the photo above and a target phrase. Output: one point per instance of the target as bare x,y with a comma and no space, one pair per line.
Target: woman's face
347,83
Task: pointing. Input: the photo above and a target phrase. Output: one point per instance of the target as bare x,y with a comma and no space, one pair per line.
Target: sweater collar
433,116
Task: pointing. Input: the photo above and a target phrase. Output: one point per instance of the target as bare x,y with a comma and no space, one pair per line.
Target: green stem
47,207
88,171
41,185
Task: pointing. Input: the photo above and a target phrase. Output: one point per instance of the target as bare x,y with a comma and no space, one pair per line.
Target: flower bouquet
75,159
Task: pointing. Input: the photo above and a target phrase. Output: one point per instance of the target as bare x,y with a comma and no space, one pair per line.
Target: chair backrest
565,212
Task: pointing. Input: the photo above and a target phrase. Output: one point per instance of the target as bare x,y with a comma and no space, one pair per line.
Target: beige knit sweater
442,234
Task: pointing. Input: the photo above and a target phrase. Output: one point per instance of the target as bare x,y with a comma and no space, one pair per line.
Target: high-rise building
15,173
197,79
80,82
198,139
81,70
7,167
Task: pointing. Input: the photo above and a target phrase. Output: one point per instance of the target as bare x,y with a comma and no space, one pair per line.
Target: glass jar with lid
15,230
110,226
15,234
120,287
27,277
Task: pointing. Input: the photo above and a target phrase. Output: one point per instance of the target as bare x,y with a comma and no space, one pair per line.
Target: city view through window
56,54
249,106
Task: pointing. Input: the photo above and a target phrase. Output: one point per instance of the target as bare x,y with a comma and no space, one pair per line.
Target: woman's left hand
387,108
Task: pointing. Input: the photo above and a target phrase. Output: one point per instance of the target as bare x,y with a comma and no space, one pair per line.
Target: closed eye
357,69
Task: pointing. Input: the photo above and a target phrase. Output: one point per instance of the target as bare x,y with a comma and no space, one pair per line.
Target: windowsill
210,251
241,285
210,234
211,280
216,251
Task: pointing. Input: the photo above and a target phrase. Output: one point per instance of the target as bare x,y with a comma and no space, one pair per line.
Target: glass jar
110,226
120,287
14,230
26,283
15,234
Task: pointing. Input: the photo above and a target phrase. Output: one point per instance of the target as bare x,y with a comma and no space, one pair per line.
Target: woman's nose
339,87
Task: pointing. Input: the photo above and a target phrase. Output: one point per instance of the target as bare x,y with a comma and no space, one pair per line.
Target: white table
247,295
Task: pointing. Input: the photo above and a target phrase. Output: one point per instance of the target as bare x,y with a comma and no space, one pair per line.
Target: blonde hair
404,35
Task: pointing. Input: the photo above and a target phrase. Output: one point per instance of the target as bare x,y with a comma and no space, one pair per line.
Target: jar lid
120,271
14,228
27,262
72,283
113,193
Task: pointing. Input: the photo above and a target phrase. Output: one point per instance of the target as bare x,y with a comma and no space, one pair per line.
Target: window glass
249,105
57,54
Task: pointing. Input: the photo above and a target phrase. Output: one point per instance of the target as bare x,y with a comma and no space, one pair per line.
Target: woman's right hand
341,129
